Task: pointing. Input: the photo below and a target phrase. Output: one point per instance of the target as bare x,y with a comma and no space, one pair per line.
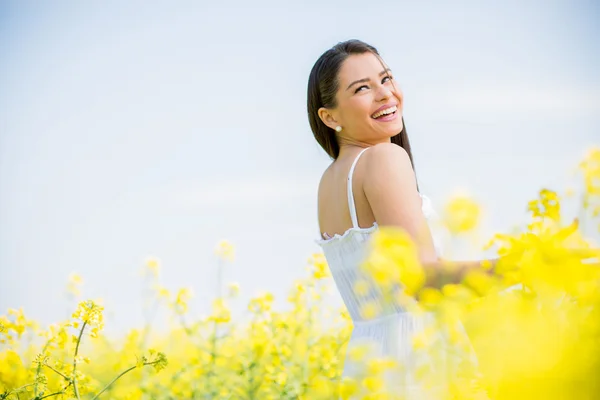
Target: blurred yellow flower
361,287
430,297
359,352
348,388
225,250
261,303
74,284
373,383
321,387
153,265
234,289
590,166
393,260
370,310
319,266
182,298
221,313
378,366
461,214
162,292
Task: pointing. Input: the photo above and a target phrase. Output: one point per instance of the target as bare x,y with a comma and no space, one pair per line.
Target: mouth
386,113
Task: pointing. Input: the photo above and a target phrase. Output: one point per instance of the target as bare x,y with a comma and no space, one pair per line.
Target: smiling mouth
388,111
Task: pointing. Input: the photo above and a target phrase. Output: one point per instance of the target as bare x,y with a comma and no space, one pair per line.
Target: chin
396,129
400,125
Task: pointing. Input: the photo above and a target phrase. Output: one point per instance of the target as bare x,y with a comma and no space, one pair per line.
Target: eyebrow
367,79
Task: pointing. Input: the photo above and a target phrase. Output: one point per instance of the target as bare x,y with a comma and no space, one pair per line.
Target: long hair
323,84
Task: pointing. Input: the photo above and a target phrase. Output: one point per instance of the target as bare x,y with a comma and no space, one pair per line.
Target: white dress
391,334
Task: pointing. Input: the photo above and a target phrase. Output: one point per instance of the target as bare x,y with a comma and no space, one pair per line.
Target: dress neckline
347,233
425,206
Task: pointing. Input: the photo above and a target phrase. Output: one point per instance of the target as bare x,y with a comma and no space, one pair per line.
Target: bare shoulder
387,158
325,177
389,149
389,180
324,185
324,196
390,187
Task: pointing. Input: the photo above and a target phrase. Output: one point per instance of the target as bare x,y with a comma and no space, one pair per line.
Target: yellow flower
181,300
461,214
393,260
348,388
221,313
430,297
234,289
140,362
373,383
358,352
90,313
480,282
370,310
321,387
73,287
225,250
261,303
320,267
378,366
361,287
153,265
162,292
281,378
424,339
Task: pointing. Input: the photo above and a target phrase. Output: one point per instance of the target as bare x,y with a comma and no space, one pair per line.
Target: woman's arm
390,188
441,272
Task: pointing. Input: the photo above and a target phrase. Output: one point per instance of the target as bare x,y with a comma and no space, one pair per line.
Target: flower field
533,320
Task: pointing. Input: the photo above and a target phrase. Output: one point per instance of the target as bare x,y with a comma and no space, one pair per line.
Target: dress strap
351,204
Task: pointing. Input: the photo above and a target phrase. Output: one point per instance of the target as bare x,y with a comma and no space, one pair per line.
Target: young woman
355,113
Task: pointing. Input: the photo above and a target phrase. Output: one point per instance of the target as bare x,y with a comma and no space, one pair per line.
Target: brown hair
322,88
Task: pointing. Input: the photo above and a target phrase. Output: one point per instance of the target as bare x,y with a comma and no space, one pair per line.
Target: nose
383,93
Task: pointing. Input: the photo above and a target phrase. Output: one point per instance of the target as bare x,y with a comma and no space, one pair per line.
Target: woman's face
369,106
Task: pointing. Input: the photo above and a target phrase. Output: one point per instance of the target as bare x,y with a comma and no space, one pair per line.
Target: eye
389,78
358,89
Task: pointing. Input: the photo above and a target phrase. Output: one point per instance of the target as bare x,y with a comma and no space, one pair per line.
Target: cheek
351,111
400,97
360,108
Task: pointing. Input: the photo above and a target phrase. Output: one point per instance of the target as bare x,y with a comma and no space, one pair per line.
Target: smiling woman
353,105
323,87
355,110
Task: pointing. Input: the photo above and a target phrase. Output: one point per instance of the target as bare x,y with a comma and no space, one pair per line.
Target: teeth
385,112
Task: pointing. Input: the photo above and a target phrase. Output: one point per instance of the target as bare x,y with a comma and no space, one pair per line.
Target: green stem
55,393
118,377
39,369
60,373
51,394
213,357
75,361
15,391
149,321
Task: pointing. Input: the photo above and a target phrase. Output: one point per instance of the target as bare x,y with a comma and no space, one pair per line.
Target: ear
328,117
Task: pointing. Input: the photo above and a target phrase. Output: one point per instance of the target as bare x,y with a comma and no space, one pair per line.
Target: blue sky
153,129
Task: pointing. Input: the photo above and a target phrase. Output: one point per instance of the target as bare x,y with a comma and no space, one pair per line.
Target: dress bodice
346,252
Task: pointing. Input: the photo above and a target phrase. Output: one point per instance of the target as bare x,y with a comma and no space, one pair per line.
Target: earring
338,129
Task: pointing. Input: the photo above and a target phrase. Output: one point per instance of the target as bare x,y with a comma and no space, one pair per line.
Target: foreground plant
67,380
533,318
534,321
